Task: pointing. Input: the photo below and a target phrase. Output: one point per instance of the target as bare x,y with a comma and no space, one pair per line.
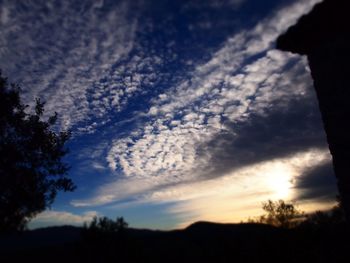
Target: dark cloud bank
277,134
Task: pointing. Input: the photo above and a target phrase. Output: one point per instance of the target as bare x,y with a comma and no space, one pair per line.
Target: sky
180,110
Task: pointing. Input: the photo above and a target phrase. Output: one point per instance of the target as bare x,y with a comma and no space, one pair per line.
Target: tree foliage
280,214
31,167
106,225
104,230
332,217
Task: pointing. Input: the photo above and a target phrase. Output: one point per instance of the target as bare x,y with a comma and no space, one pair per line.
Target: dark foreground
201,242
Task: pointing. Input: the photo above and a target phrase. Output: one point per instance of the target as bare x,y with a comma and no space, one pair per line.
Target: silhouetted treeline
313,241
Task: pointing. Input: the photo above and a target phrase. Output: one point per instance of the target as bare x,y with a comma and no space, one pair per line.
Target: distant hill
200,242
42,237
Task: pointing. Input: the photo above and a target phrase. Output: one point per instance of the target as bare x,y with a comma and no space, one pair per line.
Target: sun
279,180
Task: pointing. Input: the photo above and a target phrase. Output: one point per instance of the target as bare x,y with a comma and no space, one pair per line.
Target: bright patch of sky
181,111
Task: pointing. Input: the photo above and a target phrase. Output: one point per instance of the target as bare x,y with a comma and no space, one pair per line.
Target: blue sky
180,110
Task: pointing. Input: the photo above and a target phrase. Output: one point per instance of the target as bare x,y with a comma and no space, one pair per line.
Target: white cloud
224,88
54,218
98,166
116,191
65,56
161,161
95,73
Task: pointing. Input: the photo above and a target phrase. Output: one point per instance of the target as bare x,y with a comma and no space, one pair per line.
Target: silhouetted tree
31,169
106,225
335,216
280,214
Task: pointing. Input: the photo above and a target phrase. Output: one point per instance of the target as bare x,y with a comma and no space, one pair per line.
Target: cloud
120,190
238,195
242,126
246,106
276,133
234,196
62,51
98,166
225,91
317,182
54,218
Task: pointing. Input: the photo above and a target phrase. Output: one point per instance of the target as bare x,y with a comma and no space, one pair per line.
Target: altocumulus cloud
229,114
63,50
192,128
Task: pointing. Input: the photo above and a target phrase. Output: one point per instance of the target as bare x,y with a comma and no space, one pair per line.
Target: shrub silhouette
319,219
31,169
106,225
280,214
106,236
